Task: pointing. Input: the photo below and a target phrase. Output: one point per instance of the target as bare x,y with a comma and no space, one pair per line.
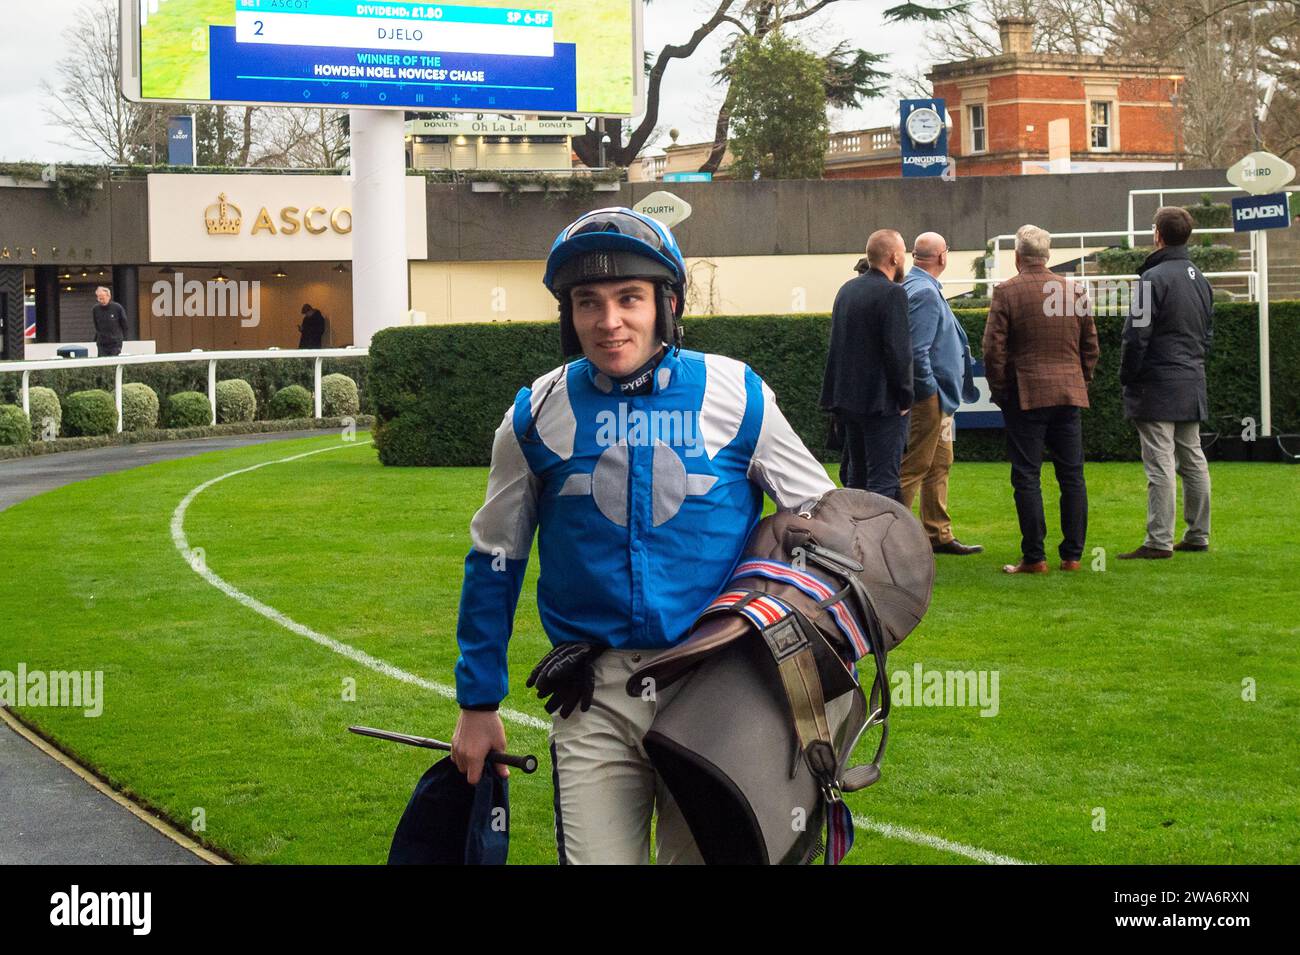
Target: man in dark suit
1162,368
868,383
1040,350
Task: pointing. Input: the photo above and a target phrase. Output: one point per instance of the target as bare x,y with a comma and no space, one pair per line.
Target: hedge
89,412
295,401
46,413
440,390
266,376
189,409
1207,258
139,407
15,426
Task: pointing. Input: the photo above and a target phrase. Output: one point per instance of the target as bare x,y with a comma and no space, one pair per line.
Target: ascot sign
252,218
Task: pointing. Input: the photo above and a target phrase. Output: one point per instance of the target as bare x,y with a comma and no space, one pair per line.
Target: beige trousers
606,790
926,464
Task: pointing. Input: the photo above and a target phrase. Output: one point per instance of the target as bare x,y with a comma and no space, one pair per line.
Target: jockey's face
615,324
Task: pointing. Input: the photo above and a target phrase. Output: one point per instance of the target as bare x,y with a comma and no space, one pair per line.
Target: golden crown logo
219,219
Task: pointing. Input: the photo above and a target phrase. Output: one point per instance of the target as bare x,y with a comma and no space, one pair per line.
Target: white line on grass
891,831
199,566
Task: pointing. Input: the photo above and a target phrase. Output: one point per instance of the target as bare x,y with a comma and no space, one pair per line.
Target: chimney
1017,34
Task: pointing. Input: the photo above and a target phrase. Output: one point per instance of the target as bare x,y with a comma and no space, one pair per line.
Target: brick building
1022,112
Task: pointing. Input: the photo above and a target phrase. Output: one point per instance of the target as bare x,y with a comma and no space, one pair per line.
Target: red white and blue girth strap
789,574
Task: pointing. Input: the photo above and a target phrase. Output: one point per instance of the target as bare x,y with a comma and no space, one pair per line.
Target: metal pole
212,387
117,394
1265,400
316,385
27,404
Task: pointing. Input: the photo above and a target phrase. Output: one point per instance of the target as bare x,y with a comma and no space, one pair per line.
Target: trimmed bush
88,413
1207,258
294,401
44,406
189,409
338,396
139,407
266,375
15,426
1208,214
235,401
440,390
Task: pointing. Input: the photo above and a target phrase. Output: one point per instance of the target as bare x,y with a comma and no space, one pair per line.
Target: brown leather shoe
1071,565
1194,548
1147,553
955,546
1023,568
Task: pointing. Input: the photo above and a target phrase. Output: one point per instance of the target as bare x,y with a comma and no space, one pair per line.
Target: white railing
955,287
118,362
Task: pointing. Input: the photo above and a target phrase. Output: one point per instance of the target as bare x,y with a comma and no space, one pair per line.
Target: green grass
1119,690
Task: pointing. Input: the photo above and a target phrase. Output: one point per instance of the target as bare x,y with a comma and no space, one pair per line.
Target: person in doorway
312,329
109,319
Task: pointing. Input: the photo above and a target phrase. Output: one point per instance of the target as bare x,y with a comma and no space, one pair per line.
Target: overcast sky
32,46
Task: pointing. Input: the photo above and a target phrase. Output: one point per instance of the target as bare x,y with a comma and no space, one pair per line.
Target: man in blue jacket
642,469
942,378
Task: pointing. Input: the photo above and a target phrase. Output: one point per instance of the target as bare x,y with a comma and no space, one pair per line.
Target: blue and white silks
642,505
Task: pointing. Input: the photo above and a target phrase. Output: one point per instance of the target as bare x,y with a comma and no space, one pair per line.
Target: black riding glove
567,676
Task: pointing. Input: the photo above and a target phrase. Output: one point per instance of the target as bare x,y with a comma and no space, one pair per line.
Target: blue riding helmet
617,243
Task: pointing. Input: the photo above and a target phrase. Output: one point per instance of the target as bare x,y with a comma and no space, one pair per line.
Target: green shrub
89,413
44,406
295,401
189,409
266,375
139,407
440,390
1207,258
15,426
338,396
235,401
1208,214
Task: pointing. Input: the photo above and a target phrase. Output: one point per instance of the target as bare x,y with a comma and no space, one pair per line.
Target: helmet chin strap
670,329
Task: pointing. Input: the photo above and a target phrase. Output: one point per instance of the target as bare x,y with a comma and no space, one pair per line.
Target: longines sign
263,218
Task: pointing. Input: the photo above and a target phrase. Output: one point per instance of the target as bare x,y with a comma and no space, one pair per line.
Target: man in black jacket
312,329
1162,368
868,383
110,323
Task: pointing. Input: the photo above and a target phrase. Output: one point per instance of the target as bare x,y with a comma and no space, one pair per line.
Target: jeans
873,453
1059,429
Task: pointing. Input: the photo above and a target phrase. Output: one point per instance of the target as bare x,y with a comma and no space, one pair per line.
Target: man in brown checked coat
1040,349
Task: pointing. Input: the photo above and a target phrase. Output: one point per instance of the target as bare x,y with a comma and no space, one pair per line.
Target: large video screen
559,56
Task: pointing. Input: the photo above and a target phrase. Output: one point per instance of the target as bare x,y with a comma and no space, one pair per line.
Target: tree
86,101
851,75
778,112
